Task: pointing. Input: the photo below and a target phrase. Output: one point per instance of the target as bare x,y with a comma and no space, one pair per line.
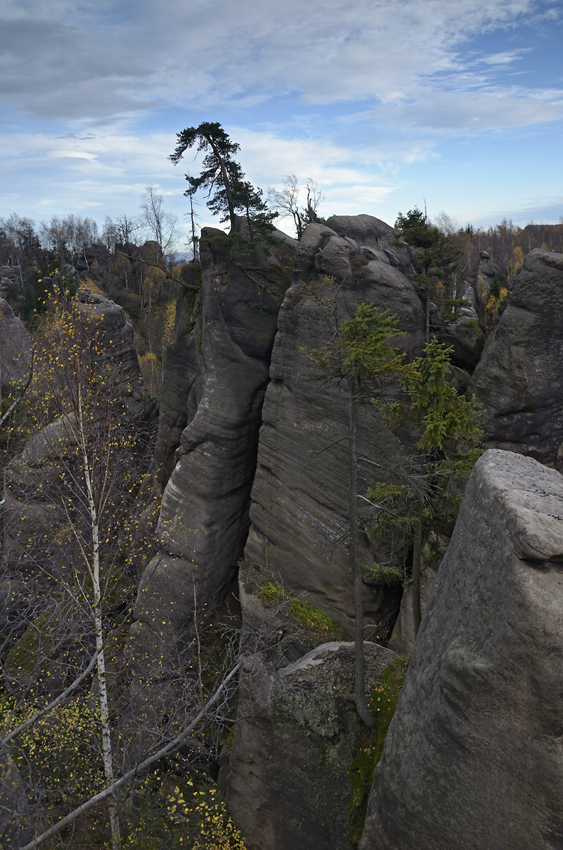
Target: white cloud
505,58
352,93
466,112
92,62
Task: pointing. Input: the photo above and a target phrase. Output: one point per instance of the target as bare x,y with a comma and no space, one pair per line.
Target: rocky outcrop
113,331
473,755
204,514
31,480
181,368
465,335
294,744
519,380
300,496
487,270
15,348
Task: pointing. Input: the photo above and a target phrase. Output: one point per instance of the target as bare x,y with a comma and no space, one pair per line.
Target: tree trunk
105,728
225,181
355,568
416,568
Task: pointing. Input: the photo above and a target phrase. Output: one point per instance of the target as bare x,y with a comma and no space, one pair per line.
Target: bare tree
287,201
160,224
123,231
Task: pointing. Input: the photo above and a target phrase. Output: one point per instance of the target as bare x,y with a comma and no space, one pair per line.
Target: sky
386,105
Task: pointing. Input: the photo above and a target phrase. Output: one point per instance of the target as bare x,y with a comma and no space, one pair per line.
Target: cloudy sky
387,105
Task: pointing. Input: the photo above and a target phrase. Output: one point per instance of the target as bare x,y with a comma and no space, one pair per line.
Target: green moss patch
313,620
382,705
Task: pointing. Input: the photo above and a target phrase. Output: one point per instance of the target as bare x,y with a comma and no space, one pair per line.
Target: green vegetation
228,192
436,261
382,573
382,706
425,504
319,624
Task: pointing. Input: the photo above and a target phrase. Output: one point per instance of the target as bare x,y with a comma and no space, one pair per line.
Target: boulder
289,784
113,331
519,379
473,759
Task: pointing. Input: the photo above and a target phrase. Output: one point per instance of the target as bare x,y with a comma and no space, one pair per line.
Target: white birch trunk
105,729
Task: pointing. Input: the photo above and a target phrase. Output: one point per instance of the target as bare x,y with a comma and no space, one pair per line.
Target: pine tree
227,189
449,435
436,262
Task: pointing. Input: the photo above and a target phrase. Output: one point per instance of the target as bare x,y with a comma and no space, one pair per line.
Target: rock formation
181,368
204,515
473,755
252,456
15,348
294,744
300,496
114,332
519,379
29,480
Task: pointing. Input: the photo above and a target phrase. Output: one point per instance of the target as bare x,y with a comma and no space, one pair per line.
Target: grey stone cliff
204,514
473,756
299,504
519,379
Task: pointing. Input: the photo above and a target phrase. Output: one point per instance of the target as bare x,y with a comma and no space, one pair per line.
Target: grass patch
313,620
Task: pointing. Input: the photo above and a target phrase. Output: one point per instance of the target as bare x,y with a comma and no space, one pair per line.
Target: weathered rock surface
181,369
31,479
295,740
519,379
473,758
114,332
487,271
15,348
466,338
30,484
300,497
204,514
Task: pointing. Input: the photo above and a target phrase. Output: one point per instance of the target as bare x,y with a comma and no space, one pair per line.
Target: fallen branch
31,720
131,774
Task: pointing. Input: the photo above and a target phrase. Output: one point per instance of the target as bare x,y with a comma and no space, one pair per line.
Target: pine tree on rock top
227,190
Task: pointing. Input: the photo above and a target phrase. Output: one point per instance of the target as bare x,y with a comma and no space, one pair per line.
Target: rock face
204,514
15,348
113,330
30,480
295,740
473,758
465,335
300,497
519,380
181,368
